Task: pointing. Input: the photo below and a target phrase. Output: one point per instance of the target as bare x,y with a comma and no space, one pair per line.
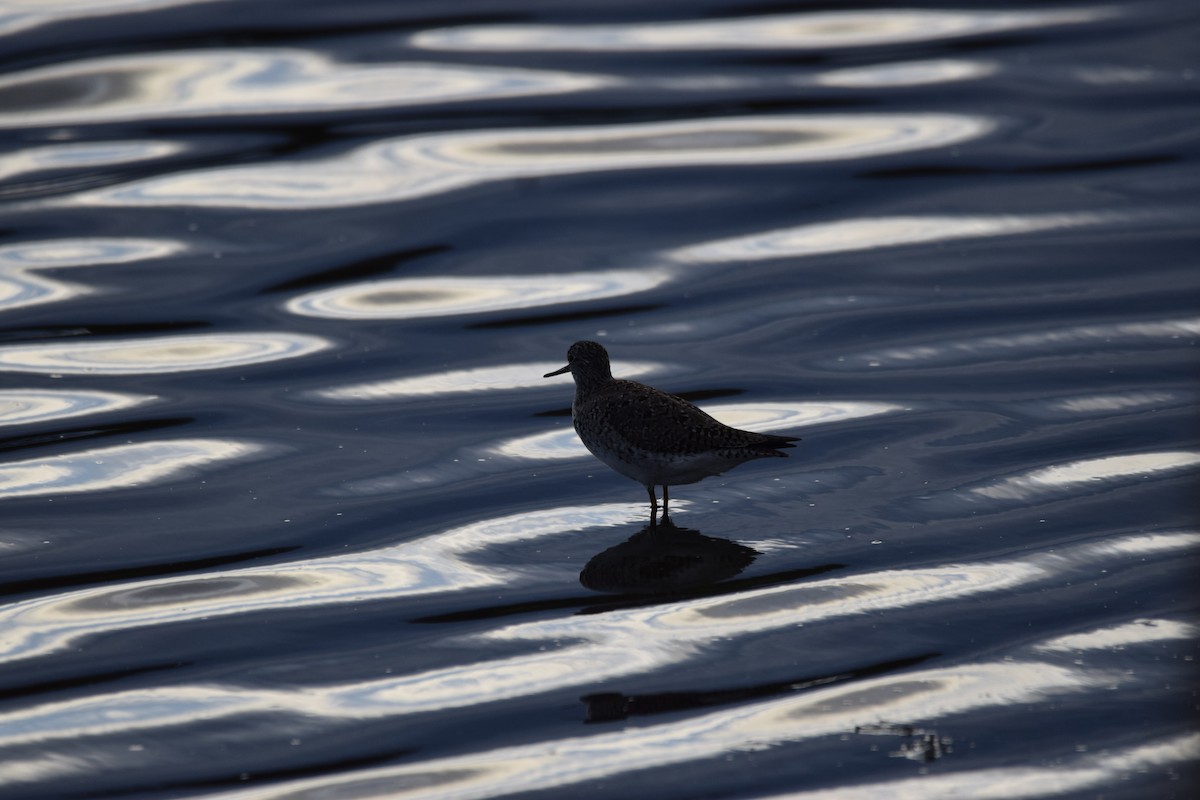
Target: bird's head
587,362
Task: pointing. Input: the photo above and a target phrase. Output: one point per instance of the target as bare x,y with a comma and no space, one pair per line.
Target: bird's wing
652,420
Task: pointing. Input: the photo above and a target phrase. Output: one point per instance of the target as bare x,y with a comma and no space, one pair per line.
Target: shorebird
650,436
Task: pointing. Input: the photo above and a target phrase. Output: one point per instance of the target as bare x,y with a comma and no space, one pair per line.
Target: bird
652,437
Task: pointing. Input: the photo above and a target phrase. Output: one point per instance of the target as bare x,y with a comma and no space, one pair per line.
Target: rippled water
289,511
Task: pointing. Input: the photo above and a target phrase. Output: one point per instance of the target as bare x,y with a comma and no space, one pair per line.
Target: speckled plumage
650,436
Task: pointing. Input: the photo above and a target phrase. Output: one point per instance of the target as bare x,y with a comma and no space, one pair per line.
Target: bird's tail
772,442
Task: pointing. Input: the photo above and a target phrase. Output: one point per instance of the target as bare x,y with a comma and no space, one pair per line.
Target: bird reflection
664,558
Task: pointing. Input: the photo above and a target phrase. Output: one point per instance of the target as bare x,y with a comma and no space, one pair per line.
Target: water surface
288,510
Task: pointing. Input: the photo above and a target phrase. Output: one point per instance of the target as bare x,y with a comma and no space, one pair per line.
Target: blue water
288,511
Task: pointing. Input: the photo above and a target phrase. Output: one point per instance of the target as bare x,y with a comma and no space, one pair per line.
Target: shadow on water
80,331
59,437
611,706
26,690
359,270
86,578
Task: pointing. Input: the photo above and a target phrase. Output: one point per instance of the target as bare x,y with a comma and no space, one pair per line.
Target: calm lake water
288,511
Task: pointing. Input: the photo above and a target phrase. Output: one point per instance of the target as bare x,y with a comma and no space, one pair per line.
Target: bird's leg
653,505
664,502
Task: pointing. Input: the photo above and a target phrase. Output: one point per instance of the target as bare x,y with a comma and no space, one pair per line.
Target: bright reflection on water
481,379
1100,406
250,81
83,155
17,15
24,406
589,649
1061,477
21,285
541,765
895,74
433,563
907,73
865,234
411,167
118,467
760,417
1098,773
151,355
821,712
618,643
764,417
1133,633
1115,402
1022,345
407,298
819,30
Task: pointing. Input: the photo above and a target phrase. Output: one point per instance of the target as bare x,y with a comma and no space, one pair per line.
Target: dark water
287,510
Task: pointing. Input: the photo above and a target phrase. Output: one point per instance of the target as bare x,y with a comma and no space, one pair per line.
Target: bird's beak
557,372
